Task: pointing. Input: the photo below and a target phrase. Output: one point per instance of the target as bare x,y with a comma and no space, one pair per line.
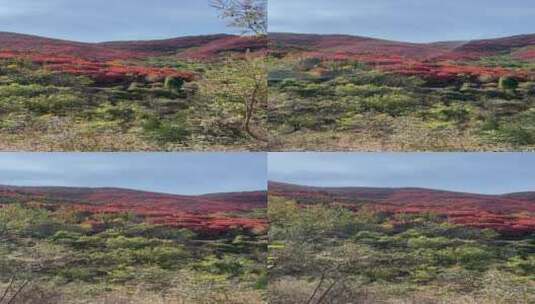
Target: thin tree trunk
11,281
324,295
249,111
316,289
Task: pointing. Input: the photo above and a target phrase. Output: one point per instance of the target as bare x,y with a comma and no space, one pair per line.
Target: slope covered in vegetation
77,245
336,245
335,92
173,94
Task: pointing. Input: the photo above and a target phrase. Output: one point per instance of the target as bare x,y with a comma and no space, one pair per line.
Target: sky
405,20
178,173
109,20
489,173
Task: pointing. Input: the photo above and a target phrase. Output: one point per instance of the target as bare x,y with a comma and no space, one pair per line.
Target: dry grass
74,293
413,139
73,137
499,288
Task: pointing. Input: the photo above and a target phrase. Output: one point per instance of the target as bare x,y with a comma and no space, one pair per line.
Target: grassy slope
70,255
68,96
374,95
325,253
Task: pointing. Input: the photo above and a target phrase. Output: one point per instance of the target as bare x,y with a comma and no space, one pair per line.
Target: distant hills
219,202
192,46
356,45
440,62
508,213
207,46
202,212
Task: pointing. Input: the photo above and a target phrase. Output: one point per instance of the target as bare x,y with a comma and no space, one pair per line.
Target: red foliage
229,44
528,54
100,60
442,62
508,214
438,69
207,213
105,72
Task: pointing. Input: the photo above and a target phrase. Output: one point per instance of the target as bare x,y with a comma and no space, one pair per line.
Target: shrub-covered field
160,103
53,253
328,98
324,253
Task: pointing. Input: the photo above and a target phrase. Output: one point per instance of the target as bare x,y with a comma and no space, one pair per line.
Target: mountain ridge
441,60
277,183
512,213
208,45
213,213
213,202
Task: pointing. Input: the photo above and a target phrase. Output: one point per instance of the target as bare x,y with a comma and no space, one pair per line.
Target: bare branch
322,279
324,295
18,291
249,15
6,291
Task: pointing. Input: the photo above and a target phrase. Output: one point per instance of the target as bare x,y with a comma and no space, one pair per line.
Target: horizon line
403,41
269,33
126,40
398,188
131,189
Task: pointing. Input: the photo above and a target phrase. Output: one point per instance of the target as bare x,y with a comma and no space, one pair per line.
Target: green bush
56,104
508,83
75,273
165,130
393,104
227,265
456,112
129,243
159,232
173,83
164,256
522,265
31,222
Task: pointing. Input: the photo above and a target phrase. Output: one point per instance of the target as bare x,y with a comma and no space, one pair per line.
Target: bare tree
11,292
246,80
249,15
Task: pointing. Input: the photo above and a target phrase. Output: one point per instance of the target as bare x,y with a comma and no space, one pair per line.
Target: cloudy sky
105,20
405,20
180,173
491,173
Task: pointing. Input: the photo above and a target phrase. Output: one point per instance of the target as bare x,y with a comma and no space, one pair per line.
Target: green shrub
173,83
75,273
159,232
522,265
508,83
164,256
456,112
55,104
129,243
31,222
393,104
473,257
165,130
227,265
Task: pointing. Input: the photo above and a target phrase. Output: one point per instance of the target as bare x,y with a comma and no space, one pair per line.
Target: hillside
154,95
441,61
207,46
117,62
352,93
110,245
399,245
207,213
509,213
357,45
